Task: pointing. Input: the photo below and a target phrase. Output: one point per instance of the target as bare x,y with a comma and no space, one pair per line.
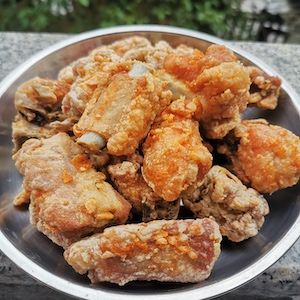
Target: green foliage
80,15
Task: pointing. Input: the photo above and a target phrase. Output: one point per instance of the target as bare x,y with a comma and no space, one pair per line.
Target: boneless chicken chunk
238,210
176,250
218,79
121,115
224,94
265,156
264,89
174,155
68,198
130,183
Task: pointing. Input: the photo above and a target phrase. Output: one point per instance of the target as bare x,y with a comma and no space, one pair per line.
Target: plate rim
212,290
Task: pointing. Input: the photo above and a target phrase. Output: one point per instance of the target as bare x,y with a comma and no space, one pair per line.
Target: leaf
84,3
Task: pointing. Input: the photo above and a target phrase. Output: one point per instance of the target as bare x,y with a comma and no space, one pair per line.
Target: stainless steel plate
32,251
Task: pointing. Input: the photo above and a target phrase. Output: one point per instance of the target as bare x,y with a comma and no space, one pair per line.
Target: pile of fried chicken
126,135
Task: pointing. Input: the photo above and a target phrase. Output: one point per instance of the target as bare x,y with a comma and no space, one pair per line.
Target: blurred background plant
232,19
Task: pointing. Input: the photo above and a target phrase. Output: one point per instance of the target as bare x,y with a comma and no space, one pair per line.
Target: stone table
281,281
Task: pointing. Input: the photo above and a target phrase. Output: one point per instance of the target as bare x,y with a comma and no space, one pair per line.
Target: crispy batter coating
130,183
221,83
123,113
238,210
264,89
92,72
39,100
69,199
179,250
224,94
22,130
174,155
265,156
187,66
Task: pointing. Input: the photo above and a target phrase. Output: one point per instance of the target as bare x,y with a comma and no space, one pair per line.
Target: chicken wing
265,156
123,113
238,211
130,183
179,250
174,155
69,199
264,89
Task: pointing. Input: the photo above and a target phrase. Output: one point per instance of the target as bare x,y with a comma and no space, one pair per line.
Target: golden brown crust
180,250
267,157
174,156
130,183
39,100
221,83
239,211
123,113
69,199
264,89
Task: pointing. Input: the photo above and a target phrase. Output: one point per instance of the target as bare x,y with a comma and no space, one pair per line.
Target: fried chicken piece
22,130
238,210
130,183
89,73
68,198
188,66
221,83
174,155
39,100
123,113
267,157
121,47
177,250
224,94
264,89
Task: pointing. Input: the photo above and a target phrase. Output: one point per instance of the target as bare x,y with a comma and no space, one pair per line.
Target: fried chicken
130,183
68,198
39,100
238,210
179,250
264,89
264,156
88,74
221,83
121,114
174,155
22,130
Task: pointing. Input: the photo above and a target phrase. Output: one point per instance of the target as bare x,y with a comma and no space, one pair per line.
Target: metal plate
32,251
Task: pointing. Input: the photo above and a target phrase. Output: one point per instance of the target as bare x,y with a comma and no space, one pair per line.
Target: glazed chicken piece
264,89
130,183
68,198
221,83
120,116
177,250
39,100
264,156
238,210
174,155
